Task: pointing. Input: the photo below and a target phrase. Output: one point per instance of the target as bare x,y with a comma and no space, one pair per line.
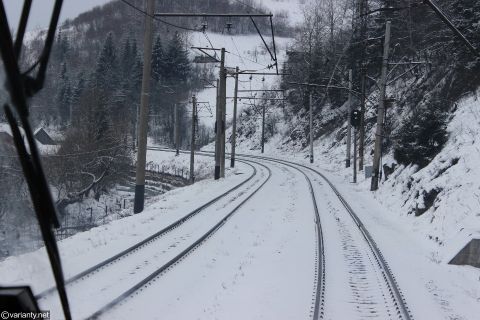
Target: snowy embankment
418,248
170,163
447,190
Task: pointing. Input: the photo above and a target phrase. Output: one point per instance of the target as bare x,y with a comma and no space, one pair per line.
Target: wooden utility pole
234,127
310,102
263,127
361,147
381,111
219,125
192,143
176,130
143,118
349,125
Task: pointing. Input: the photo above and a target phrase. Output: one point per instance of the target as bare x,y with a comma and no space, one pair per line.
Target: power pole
263,127
310,102
355,155
143,118
192,143
219,125
363,16
223,101
234,128
362,122
349,125
381,110
176,130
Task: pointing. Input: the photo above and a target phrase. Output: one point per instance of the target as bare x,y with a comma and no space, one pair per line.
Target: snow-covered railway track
367,271
172,232
179,256
149,240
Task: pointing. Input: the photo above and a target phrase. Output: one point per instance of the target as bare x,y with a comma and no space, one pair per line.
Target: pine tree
61,48
106,69
137,74
158,60
126,57
422,136
64,97
177,65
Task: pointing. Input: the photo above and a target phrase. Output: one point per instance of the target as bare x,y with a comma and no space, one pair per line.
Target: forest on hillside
430,68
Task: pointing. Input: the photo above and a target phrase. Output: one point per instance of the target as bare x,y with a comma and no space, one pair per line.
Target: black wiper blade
20,87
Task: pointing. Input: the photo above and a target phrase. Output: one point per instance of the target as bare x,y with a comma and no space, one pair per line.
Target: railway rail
149,240
145,282
394,291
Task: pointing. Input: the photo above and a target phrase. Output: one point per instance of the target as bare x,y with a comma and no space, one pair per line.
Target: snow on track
90,293
359,283
261,265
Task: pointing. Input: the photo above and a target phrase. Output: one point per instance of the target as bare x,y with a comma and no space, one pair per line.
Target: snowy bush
421,137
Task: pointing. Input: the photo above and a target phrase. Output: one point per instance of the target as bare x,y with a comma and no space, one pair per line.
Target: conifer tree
177,66
106,69
158,60
64,97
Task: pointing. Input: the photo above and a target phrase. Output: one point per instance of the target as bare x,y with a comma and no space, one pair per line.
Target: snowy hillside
248,53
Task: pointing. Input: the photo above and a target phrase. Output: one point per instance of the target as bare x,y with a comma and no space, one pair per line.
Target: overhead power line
157,19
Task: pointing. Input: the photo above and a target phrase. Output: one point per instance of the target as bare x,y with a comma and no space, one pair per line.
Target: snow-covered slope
248,53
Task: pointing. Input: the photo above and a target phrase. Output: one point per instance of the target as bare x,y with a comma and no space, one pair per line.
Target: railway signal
355,118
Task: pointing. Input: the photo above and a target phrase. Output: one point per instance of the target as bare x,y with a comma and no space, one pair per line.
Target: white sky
42,9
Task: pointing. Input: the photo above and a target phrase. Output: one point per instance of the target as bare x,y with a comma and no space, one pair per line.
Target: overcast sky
42,10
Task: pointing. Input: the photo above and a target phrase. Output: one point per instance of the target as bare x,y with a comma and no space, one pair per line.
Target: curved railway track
394,292
145,282
386,280
151,239
398,300
319,294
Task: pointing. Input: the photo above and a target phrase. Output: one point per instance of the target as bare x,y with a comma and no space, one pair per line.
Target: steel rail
394,290
152,277
148,240
319,303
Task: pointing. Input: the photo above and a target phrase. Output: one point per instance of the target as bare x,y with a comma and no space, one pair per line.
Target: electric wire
157,19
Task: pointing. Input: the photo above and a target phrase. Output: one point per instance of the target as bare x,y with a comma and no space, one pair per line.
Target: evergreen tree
137,74
61,48
106,69
78,89
126,57
158,60
177,65
422,136
64,97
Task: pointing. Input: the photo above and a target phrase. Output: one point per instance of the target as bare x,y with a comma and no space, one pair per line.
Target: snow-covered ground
417,248
263,257
170,163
